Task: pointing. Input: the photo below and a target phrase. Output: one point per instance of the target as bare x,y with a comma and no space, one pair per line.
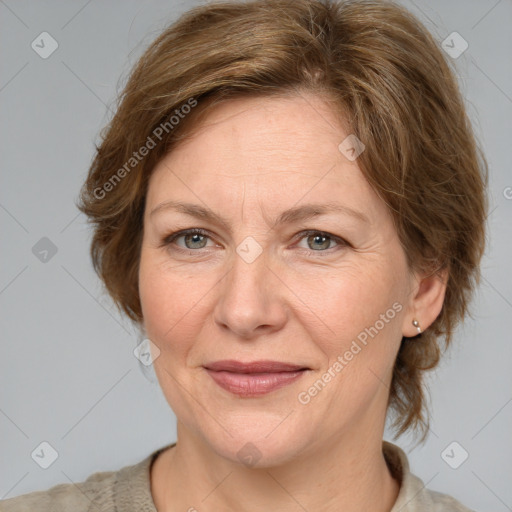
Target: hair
386,78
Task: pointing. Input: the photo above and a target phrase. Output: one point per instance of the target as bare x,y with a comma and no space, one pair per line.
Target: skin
303,300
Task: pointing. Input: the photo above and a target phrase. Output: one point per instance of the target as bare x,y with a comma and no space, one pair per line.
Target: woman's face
323,291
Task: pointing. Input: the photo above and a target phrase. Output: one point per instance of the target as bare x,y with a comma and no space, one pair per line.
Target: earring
417,325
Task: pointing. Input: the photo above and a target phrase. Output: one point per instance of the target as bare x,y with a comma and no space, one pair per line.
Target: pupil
195,239
323,240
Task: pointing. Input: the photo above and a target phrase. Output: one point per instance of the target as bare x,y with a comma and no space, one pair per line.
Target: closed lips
253,367
257,378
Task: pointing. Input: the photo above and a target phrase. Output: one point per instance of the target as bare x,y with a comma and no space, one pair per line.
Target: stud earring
417,325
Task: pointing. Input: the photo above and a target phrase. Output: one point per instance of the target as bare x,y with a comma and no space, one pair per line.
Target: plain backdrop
68,373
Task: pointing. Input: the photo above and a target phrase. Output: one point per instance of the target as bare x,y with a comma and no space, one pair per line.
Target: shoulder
413,495
420,499
95,493
444,503
127,489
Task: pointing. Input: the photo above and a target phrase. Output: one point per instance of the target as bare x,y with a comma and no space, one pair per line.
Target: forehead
276,151
298,130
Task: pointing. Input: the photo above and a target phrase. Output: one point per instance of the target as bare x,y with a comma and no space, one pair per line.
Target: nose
251,299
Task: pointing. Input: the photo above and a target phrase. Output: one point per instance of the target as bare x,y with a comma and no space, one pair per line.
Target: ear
426,302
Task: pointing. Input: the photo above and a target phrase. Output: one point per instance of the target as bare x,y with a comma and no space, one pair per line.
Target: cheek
173,300
352,301
363,311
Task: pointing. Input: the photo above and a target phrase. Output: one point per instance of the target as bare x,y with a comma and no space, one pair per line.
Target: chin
252,445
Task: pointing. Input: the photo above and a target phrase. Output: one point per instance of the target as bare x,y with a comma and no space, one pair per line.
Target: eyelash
169,239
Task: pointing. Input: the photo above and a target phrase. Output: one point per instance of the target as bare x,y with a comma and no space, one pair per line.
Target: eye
195,239
192,238
320,241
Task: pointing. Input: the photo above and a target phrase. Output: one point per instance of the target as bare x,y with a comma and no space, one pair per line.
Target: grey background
69,376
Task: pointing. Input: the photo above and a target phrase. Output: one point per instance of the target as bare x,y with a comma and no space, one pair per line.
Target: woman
290,202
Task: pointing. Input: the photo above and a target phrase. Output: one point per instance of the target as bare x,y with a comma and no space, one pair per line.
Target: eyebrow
290,216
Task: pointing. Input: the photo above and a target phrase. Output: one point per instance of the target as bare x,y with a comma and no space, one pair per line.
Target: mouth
255,378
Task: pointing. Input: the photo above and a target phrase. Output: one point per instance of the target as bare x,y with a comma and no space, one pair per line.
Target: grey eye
196,241
319,242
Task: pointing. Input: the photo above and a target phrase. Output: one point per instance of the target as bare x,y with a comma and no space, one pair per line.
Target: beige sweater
128,490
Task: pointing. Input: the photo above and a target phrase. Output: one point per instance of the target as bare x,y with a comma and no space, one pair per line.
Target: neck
350,470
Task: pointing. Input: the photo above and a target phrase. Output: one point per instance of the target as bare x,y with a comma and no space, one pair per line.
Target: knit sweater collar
132,487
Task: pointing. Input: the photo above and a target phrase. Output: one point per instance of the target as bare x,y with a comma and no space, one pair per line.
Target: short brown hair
390,83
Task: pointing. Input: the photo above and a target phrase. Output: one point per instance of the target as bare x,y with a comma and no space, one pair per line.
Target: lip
254,378
265,366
